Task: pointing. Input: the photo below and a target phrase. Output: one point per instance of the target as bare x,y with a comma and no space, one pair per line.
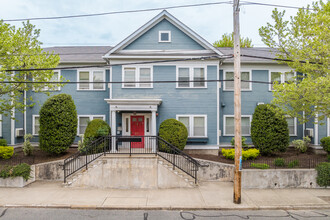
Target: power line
119,64
133,82
118,12
247,3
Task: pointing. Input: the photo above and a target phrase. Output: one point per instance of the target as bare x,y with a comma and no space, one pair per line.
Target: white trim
0,125
218,105
33,124
163,15
295,125
191,124
160,38
282,71
137,76
191,76
316,130
91,117
90,85
128,116
133,104
328,126
110,90
232,116
242,70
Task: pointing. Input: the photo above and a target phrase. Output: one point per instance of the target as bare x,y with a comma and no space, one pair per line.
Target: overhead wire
247,3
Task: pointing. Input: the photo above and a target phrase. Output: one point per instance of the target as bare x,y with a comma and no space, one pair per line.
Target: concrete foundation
214,171
281,178
49,171
18,181
130,173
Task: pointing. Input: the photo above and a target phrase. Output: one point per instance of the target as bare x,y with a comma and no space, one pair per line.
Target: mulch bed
38,156
306,160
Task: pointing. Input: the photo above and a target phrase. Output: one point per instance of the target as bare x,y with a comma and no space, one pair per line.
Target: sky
210,22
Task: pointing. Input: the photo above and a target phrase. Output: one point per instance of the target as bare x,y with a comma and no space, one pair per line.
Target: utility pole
237,105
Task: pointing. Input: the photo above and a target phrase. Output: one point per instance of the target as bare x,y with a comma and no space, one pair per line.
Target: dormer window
164,36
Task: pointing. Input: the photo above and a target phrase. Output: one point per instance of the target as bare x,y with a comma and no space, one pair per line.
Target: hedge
95,129
3,142
269,129
174,132
58,124
249,154
22,170
6,152
325,143
323,174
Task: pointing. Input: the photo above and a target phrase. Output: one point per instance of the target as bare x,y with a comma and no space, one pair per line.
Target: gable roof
163,15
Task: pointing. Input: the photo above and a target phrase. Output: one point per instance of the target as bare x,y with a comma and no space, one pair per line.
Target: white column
153,129
113,130
316,131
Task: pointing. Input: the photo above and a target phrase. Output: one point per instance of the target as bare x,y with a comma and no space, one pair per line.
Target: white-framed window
84,119
143,74
35,124
229,125
292,124
87,79
280,77
196,75
195,124
229,85
164,36
55,78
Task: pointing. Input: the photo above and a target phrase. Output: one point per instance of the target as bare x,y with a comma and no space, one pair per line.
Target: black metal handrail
85,156
131,145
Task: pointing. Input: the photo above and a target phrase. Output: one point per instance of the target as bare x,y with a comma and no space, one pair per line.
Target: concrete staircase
124,172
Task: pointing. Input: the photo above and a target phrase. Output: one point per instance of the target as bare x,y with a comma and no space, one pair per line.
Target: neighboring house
206,108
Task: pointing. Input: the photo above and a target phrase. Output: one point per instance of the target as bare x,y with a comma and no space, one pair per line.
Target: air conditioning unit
309,132
260,103
19,132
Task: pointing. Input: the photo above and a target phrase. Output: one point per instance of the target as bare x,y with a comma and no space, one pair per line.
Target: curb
286,207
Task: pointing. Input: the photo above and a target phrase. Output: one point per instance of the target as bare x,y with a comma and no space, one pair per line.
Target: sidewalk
209,195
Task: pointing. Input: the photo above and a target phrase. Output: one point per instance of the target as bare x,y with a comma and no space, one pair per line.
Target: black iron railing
131,145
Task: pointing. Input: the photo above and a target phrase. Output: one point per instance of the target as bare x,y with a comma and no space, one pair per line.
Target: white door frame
127,132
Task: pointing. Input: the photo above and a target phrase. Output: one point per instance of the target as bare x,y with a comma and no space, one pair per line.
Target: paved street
81,214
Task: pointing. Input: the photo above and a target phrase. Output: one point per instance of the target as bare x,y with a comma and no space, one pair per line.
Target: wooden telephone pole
237,105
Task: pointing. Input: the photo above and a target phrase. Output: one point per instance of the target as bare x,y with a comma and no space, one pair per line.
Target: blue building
164,49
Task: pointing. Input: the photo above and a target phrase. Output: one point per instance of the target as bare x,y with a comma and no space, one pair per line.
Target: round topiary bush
95,129
58,124
325,143
269,129
174,132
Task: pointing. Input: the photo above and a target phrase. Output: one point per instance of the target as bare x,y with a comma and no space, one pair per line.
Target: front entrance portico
131,108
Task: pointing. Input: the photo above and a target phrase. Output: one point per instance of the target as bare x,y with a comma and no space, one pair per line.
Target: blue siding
175,101
260,93
149,40
87,102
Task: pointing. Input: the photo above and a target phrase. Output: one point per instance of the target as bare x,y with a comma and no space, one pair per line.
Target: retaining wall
215,171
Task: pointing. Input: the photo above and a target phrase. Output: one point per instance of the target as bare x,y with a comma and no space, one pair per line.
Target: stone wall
279,178
49,171
215,171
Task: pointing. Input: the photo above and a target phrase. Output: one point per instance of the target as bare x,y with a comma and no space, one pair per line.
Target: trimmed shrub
323,174
325,143
301,145
27,146
293,164
58,124
244,145
249,154
279,162
22,170
260,165
174,132
95,129
269,129
3,142
6,152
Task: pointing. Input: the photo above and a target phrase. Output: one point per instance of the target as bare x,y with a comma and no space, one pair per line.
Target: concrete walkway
208,195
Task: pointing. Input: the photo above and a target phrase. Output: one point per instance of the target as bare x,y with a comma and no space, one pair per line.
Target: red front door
137,129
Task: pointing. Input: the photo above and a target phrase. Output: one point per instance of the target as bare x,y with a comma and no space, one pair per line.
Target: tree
58,124
269,129
227,40
303,44
21,49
